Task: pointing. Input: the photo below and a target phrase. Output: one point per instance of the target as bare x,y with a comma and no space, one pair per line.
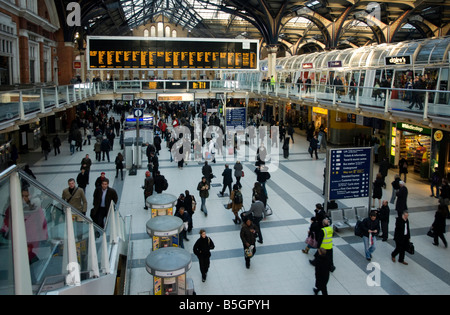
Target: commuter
395,187
290,131
444,196
45,146
370,228
227,179
384,220
273,82
189,206
325,241
435,182
202,249
75,197
27,170
98,150
384,169
262,176
183,215
82,179
439,225
119,165
180,203
314,230
238,173
322,272
161,183
105,147
402,237
258,193
320,214
149,181
236,203
86,163
403,168
257,211
308,85
56,144
313,144
103,196
207,172
286,148
203,188
402,196
248,238
72,142
353,89
378,190
98,181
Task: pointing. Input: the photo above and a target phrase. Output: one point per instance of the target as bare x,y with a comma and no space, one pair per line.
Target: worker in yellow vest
273,81
325,241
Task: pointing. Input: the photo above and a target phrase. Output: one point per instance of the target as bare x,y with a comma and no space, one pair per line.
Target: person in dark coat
402,196
322,272
402,235
45,145
157,143
384,220
149,182
183,215
403,168
188,200
227,179
395,187
56,144
439,225
82,179
384,168
314,229
105,148
160,183
313,145
119,165
101,207
286,147
248,238
378,190
207,172
202,249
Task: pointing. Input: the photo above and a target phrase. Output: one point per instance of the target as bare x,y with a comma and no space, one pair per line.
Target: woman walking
236,203
202,249
119,165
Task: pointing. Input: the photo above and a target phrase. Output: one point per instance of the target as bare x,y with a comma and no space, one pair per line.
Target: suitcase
244,216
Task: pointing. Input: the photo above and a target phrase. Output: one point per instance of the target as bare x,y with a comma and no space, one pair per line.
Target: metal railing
45,243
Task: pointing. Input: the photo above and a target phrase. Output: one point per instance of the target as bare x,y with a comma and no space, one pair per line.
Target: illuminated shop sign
401,60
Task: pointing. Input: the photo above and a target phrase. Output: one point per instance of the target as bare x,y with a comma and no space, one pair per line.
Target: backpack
238,197
358,230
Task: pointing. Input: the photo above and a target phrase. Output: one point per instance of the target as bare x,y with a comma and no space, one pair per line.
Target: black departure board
106,52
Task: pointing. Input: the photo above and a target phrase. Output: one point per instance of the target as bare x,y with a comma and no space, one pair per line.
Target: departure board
107,52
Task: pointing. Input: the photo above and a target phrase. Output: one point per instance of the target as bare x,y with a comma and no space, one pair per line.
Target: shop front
414,143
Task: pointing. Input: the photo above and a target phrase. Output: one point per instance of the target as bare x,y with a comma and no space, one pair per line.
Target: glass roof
187,13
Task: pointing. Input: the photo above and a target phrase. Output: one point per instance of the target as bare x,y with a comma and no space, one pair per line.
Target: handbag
243,174
410,248
311,241
248,252
268,211
430,232
194,205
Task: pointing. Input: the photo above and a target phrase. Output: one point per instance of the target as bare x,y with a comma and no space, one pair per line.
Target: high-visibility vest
272,81
327,242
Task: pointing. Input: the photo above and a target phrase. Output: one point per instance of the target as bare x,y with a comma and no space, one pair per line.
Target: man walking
103,196
75,196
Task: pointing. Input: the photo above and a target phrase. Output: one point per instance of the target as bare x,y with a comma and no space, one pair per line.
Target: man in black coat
207,172
160,183
402,236
227,179
402,196
105,148
103,196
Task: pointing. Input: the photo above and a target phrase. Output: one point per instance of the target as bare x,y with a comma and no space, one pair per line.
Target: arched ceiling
290,23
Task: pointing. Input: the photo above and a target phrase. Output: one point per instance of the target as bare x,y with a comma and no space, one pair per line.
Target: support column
272,58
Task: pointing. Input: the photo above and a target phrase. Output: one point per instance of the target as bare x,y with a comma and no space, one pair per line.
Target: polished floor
279,267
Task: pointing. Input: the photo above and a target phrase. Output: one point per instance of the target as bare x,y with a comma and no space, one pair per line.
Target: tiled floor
279,266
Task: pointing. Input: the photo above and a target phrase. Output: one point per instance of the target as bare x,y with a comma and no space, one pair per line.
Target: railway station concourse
364,77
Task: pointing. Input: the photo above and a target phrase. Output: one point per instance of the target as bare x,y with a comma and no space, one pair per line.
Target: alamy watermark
74,16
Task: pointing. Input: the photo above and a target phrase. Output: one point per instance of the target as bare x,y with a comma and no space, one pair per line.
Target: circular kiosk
169,266
164,231
161,204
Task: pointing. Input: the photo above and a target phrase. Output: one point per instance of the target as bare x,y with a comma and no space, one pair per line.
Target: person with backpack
237,201
161,183
257,211
370,227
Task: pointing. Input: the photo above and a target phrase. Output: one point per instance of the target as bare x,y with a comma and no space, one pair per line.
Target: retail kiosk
169,266
164,231
161,204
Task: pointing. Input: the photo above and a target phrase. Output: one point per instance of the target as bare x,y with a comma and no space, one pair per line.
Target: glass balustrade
9,105
48,240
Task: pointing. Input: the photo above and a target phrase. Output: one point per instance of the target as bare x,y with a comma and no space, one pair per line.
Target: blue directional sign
349,173
138,112
235,117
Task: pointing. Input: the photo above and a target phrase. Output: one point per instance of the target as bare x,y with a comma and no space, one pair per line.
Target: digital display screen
106,52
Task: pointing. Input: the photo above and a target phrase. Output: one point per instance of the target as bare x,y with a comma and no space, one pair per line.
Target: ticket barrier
164,231
161,204
168,266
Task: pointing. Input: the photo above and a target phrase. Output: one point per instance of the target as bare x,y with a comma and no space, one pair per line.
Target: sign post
138,113
348,174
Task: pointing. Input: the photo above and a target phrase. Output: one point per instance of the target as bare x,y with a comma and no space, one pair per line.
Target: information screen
107,52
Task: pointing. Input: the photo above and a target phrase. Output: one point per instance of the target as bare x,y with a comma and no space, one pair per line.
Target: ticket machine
169,266
164,231
161,204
